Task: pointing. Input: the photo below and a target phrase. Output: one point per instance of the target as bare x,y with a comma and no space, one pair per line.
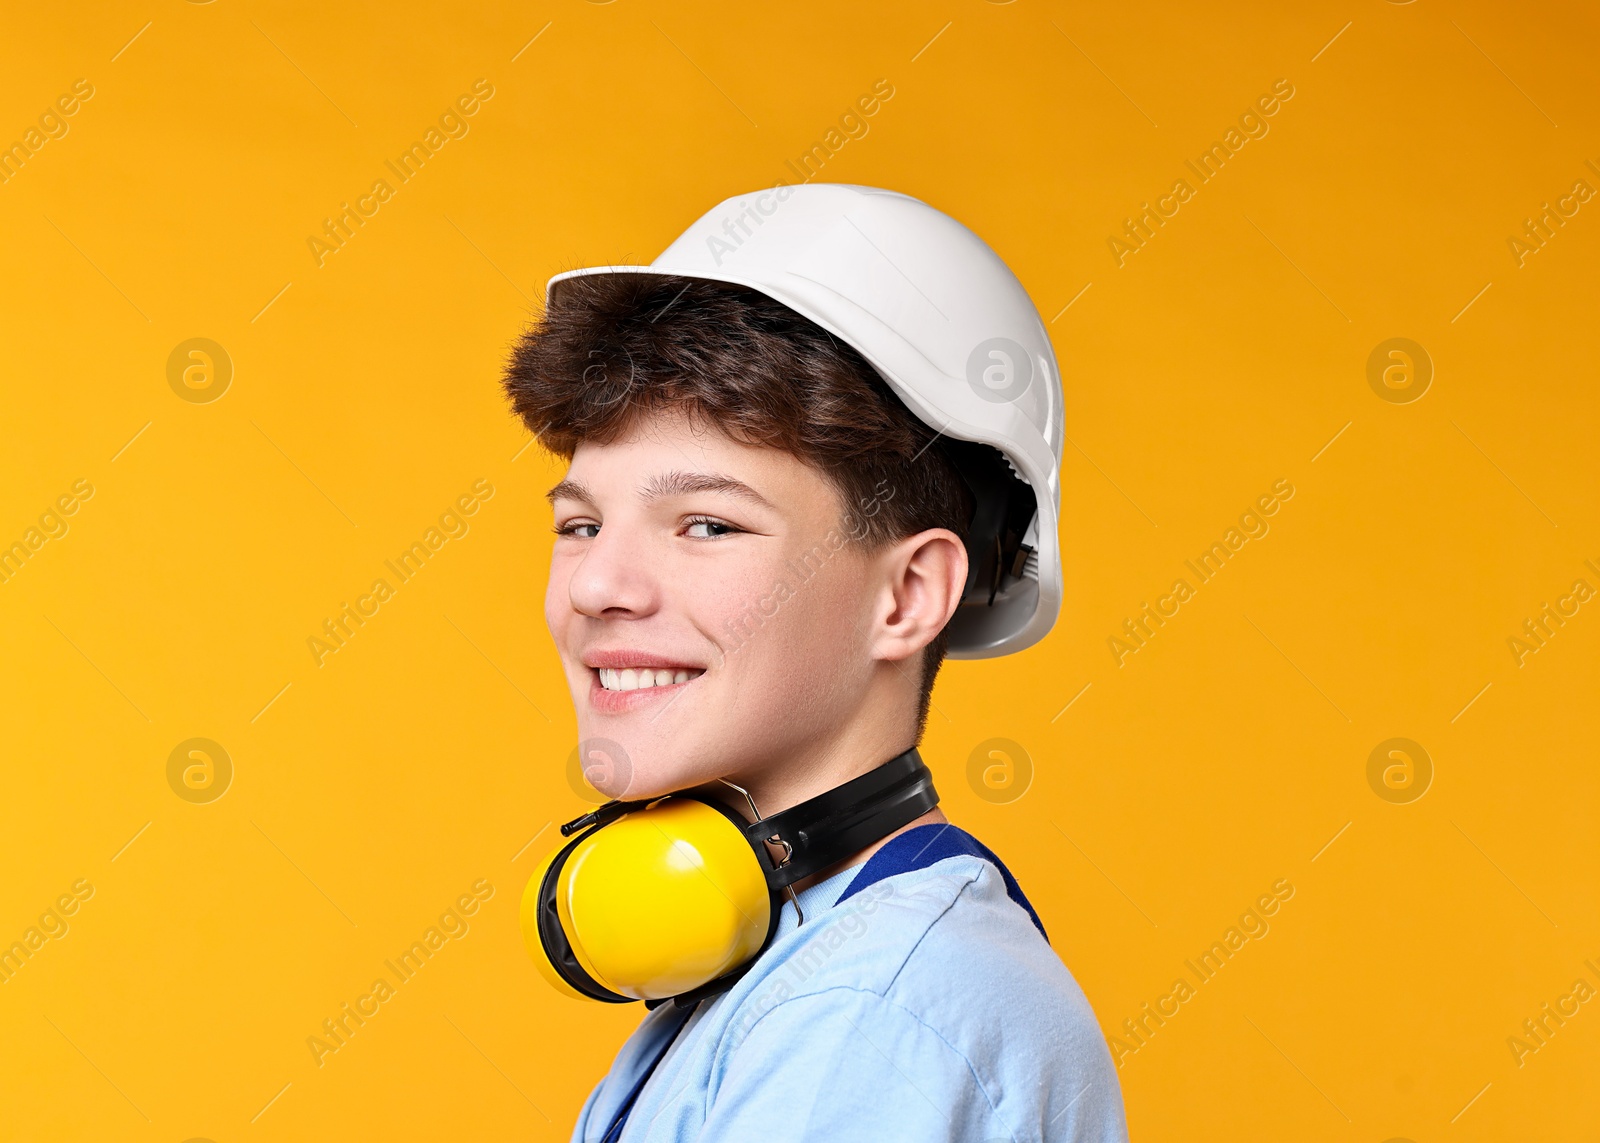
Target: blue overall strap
614,1132
921,847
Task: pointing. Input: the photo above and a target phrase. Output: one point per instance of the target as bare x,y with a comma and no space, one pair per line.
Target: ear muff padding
553,935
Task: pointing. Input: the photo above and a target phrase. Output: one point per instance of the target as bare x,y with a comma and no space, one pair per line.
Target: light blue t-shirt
925,1008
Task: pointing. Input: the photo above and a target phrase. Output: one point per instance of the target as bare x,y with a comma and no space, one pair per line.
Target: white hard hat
955,336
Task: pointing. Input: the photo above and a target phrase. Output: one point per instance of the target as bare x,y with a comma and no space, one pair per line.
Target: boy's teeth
640,678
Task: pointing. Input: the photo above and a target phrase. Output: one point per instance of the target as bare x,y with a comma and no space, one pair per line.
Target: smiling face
771,615
713,614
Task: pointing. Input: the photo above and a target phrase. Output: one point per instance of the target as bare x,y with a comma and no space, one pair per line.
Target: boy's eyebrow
685,483
569,490
669,484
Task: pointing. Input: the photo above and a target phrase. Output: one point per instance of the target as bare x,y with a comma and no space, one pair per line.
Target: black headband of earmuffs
828,828
813,835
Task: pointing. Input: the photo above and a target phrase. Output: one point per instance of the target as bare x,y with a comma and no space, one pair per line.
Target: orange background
1228,753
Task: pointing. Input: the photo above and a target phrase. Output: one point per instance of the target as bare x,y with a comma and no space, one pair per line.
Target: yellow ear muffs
677,896
653,904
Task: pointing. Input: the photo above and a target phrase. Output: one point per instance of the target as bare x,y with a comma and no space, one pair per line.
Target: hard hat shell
941,318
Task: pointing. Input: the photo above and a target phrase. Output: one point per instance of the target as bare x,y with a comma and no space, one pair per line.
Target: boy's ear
924,575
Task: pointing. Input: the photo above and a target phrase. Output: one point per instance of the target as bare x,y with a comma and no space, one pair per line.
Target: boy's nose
614,580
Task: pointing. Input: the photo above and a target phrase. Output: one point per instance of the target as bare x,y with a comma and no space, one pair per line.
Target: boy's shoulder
946,943
929,998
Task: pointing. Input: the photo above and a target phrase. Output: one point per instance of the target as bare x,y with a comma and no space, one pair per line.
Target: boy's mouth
644,678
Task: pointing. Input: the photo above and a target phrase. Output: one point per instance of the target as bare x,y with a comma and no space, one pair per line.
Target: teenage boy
812,449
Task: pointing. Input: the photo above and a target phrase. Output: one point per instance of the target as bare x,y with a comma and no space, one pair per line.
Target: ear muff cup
652,905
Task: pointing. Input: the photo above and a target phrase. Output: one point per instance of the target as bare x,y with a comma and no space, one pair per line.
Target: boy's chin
658,781
624,764
626,771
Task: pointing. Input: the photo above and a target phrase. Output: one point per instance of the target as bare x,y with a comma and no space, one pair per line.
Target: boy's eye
582,529
706,528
